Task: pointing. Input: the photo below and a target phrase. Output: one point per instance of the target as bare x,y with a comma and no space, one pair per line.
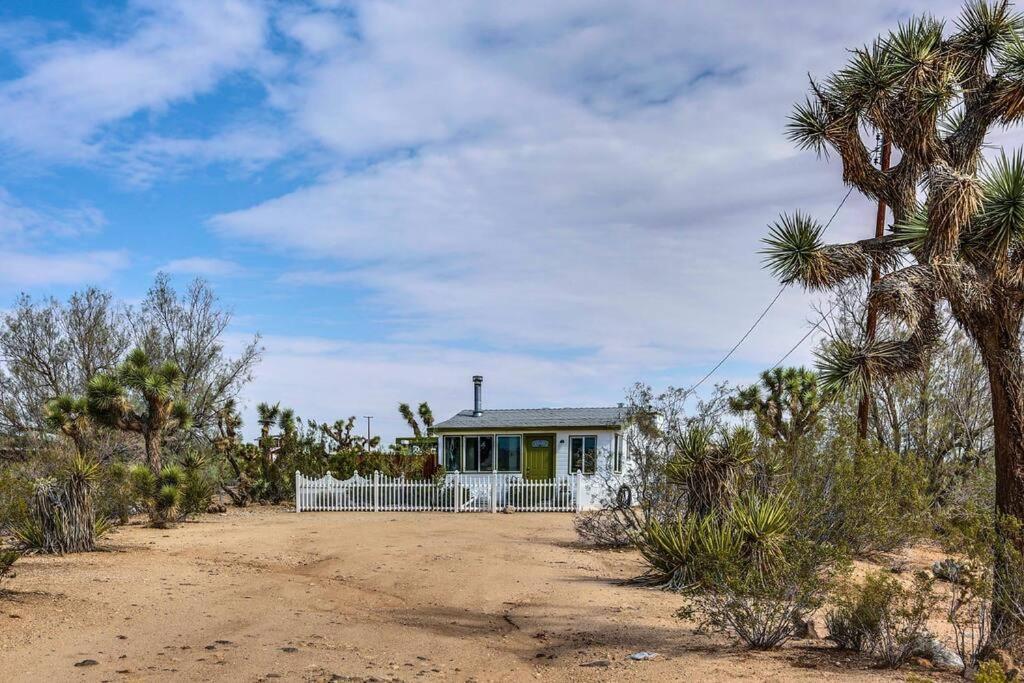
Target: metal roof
535,418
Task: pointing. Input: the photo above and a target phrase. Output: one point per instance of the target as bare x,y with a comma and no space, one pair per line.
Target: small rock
643,656
289,649
87,662
597,663
223,642
216,508
929,647
509,509
949,570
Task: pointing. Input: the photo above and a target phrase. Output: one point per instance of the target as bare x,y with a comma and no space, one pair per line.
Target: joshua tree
410,419
934,96
788,407
427,415
142,398
70,416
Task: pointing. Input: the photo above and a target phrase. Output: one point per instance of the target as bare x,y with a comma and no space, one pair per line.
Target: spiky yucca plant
160,494
706,463
934,92
141,397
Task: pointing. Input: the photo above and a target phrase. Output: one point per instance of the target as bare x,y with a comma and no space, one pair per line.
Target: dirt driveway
266,594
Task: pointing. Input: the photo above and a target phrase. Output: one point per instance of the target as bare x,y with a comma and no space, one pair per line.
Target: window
582,454
453,453
540,443
509,448
486,453
617,455
472,460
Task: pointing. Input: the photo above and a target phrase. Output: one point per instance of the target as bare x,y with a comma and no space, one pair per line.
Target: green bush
197,485
763,608
882,617
116,499
858,495
160,495
7,560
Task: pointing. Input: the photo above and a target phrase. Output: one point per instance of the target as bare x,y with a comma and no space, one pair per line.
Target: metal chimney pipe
477,400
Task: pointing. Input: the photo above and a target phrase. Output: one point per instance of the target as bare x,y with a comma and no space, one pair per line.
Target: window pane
589,455
617,461
472,454
452,453
575,454
486,453
508,453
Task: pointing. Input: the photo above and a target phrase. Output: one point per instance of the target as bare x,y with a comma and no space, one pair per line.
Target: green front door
540,456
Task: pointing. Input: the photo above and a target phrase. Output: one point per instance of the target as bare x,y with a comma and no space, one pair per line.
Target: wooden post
579,490
376,491
864,408
298,500
494,491
457,493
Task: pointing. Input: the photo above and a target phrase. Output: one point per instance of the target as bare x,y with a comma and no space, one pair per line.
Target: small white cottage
534,444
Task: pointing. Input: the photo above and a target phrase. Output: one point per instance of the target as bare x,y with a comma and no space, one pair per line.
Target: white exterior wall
594,485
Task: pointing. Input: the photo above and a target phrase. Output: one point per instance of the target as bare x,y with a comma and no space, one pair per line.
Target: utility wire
804,338
759,318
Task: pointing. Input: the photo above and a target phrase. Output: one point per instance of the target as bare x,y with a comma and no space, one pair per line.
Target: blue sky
564,197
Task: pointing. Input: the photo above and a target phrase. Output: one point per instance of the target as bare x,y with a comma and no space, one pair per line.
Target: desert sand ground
265,594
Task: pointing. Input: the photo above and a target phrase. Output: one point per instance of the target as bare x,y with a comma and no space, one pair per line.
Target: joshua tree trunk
1002,354
153,451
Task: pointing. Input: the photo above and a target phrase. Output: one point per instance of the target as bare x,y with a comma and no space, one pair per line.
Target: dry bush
881,617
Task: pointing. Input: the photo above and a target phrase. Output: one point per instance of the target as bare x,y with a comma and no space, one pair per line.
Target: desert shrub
858,495
15,493
645,492
197,485
764,607
991,672
159,495
603,528
882,617
7,560
116,498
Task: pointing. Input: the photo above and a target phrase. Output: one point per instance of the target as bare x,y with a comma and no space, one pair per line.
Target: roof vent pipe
477,401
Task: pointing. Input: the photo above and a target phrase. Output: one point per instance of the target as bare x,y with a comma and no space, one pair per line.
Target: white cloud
73,88
582,180
73,268
203,266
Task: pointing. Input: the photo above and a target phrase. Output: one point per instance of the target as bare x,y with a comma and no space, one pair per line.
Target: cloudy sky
565,197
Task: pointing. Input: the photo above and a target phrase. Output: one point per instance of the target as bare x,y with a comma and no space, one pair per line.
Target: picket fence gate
457,492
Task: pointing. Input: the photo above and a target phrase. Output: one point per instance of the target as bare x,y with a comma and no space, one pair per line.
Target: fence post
494,491
579,490
457,493
298,502
376,491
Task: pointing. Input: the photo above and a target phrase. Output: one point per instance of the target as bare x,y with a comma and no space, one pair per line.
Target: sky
566,198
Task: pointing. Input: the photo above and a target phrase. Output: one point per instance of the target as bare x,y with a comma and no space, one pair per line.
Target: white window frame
584,437
497,460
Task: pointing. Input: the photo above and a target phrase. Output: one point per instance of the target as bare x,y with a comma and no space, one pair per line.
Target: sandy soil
266,594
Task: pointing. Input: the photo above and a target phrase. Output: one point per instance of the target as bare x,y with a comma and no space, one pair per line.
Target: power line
742,339
768,308
804,338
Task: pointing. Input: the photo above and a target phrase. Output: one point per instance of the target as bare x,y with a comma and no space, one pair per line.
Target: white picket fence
457,492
